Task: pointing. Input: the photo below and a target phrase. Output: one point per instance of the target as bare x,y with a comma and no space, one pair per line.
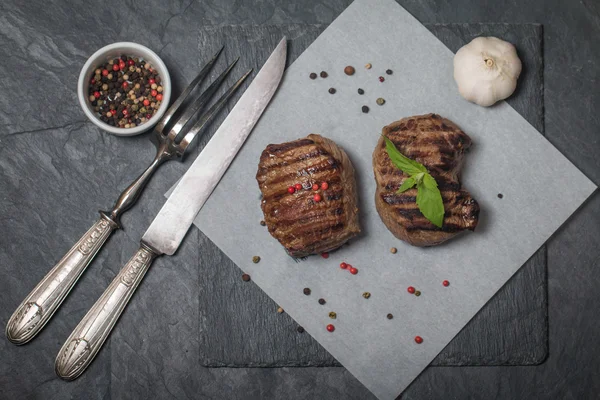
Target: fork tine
177,103
199,103
208,116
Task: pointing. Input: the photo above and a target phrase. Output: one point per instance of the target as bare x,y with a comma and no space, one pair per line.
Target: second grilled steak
440,146
301,224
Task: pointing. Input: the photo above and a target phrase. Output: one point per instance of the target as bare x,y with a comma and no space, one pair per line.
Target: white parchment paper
541,190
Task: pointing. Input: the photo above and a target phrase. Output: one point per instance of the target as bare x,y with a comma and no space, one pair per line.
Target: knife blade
174,219
176,216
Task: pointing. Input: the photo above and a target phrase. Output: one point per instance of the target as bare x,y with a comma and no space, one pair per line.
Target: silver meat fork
39,306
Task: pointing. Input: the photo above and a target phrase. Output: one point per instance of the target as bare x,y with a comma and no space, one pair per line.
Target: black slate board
239,325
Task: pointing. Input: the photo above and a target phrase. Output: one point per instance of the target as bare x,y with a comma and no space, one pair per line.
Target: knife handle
39,306
87,338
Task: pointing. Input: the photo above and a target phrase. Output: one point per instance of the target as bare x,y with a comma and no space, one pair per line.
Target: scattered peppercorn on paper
387,340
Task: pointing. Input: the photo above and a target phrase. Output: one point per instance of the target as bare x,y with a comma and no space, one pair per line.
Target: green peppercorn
256,259
380,101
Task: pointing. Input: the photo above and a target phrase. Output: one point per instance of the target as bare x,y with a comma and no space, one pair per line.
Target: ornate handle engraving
85,341
37,308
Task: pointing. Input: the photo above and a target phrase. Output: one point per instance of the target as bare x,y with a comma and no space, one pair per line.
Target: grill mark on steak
315,235
304,156
284,147
323,167
428,226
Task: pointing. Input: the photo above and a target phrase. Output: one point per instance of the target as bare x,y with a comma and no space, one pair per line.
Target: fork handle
39,306
87,338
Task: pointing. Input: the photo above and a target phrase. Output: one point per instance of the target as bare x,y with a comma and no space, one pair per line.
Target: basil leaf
405,164
429,200
407,184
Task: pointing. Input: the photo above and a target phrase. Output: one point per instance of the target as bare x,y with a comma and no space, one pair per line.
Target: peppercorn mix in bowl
124,88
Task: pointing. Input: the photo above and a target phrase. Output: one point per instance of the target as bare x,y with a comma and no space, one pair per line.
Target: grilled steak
302,225
439,145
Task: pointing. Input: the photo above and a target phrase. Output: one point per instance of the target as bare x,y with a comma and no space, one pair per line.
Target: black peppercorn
323,74
245,277
332,90
500,195
365,109
390,316
360,91
300,329
312,75
306,291
389,71
322,301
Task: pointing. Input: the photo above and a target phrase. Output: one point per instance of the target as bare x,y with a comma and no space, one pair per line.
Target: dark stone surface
46,43
243,328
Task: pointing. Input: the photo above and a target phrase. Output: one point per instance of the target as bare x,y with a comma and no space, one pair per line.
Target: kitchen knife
174,219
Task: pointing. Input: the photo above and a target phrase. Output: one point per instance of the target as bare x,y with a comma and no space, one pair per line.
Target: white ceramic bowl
113,51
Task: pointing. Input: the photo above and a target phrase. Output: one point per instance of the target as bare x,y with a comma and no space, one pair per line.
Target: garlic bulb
486,70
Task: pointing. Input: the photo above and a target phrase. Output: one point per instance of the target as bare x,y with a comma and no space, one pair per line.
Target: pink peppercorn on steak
308,195
439,145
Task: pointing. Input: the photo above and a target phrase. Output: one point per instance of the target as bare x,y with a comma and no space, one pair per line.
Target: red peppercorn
317,197
381,79
92,81
298,186
159,97
153,93
418,339
325,255
151,81
330,328
411,290
343,265
315,186
115,67
148,116
146,102
291,190
324,185
113,112
122,64
130,62
104,72
353,271
446,283
125,85
97,94
125,112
